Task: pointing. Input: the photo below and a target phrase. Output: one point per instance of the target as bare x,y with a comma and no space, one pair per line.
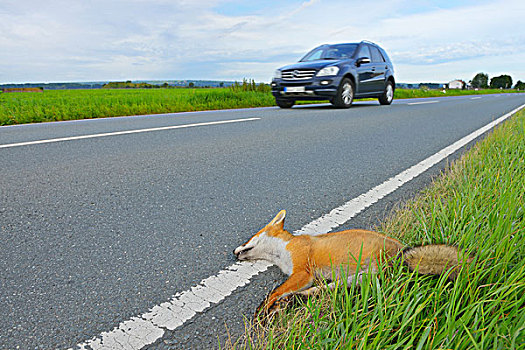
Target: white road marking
147,328
422,103
342,214
475,98
127,132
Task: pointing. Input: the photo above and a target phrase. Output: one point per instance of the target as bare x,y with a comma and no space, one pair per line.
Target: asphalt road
98,230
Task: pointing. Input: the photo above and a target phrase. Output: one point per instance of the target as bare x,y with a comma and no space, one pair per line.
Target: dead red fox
305,257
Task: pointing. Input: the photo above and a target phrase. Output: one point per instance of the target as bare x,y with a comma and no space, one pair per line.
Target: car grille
298,74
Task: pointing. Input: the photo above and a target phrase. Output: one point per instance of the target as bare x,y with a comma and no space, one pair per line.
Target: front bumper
324,88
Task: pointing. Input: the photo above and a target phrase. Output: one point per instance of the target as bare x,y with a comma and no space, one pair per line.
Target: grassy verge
418,93
478,204
56,105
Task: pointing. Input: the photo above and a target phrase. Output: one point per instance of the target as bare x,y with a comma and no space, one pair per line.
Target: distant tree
480,81
503,82
250,85
191,84
127,85
221,84
519,85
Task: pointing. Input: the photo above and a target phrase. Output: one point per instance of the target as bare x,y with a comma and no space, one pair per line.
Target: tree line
481,81
129,85
245,85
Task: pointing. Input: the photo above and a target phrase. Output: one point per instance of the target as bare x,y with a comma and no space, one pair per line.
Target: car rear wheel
284,103
387,97
345,94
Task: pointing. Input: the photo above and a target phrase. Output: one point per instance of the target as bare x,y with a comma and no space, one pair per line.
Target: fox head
267,243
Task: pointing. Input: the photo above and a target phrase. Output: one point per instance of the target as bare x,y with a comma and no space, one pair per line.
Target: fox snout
262,242
241,251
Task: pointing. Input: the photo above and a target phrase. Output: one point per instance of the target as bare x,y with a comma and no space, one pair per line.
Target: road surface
102,220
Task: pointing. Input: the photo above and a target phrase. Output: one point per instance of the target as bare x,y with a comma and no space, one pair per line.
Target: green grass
478,204
418,93
56,105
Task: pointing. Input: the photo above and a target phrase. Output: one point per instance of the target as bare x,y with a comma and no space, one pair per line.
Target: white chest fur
275,251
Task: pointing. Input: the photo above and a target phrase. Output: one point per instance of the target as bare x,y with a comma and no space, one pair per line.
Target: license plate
294,89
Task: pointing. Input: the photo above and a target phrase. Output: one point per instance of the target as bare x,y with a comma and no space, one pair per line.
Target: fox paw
268,310
263,314
285,301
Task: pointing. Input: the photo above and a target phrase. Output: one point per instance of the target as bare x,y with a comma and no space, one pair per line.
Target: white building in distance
456,84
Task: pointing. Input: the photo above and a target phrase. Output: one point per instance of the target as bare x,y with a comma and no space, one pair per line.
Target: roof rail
367,41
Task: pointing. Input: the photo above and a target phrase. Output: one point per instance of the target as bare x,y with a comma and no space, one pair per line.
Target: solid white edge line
422,103
340,215
147,328
127,132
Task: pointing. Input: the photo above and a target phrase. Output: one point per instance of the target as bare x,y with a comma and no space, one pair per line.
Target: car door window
376,55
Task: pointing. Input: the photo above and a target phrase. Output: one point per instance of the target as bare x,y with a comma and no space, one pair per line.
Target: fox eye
247,249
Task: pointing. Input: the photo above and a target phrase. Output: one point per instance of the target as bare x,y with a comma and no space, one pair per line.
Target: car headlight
277,74
326,71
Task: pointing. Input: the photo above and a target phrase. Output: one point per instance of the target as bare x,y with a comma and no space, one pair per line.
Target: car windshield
330,52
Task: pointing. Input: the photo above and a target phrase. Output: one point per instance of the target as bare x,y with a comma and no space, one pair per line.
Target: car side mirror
362,60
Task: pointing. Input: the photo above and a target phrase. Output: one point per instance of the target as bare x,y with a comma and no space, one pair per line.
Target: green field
418,93
478,204
55,105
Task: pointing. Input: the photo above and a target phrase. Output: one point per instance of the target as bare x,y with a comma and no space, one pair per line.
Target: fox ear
278,219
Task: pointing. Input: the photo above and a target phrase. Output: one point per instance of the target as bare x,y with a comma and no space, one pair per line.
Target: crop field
56,105
477,204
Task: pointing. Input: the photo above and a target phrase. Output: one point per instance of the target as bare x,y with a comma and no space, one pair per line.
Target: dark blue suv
338,73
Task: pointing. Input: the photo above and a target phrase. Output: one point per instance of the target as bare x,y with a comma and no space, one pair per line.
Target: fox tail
435,259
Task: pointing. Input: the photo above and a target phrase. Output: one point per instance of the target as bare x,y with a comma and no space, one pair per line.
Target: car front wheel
345,94
387,97
284,103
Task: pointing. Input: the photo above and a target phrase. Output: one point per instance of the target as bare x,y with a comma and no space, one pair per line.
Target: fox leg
358,277
332,285
315,289
294,284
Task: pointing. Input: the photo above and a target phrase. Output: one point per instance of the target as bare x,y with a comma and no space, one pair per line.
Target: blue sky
99,40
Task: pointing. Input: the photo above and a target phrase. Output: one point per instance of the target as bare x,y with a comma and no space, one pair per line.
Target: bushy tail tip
435,259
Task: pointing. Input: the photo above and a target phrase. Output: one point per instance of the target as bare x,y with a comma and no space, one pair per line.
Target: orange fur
305,257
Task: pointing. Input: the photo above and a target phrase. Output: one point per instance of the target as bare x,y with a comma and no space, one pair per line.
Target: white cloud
221,39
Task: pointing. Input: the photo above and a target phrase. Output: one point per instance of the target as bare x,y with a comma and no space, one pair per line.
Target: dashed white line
422,103
475,98
127,132
147,328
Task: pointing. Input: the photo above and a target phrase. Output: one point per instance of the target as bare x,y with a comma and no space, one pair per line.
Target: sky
110,40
